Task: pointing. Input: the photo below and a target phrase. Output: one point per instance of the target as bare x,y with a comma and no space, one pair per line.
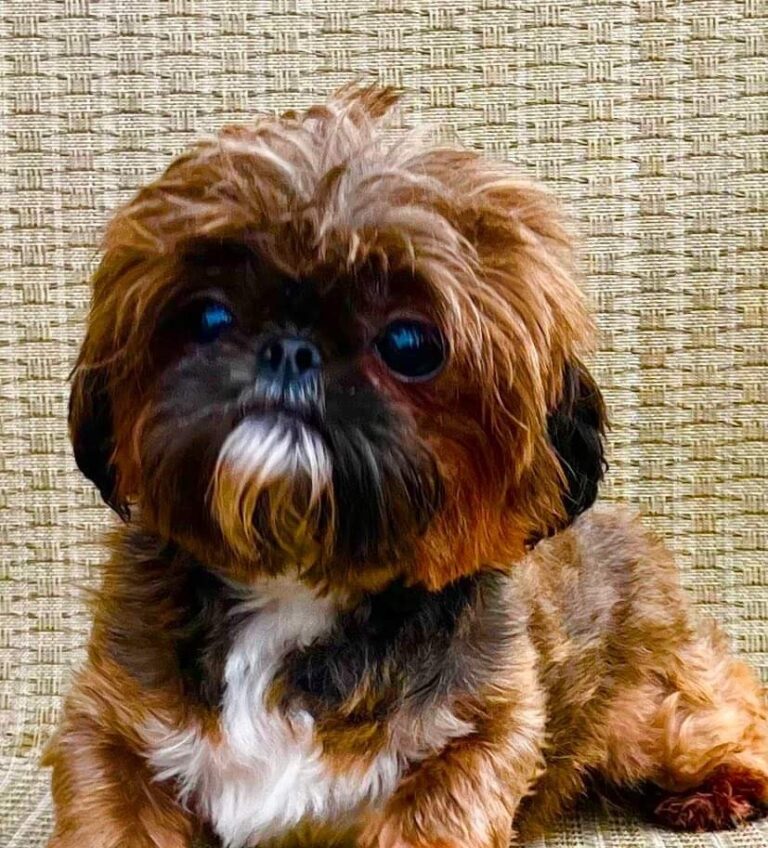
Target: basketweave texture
648,117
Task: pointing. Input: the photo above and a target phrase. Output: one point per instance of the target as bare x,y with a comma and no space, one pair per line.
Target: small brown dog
333,386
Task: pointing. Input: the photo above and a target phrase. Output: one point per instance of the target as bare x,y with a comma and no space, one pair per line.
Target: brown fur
576,660
607,605
318,196
104,791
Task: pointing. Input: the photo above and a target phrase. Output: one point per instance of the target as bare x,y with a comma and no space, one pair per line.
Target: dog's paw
728,798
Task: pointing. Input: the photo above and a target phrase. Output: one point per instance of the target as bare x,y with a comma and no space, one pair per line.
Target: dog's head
310,347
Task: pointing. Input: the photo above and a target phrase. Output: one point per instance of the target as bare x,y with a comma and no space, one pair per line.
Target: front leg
467,796
105,795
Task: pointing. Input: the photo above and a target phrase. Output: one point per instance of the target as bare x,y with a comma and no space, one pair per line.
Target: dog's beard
272,489
285,494
338,490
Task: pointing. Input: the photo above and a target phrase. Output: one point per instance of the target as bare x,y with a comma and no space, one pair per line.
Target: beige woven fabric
647,116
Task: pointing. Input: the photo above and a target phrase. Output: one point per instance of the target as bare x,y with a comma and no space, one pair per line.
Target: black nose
287,360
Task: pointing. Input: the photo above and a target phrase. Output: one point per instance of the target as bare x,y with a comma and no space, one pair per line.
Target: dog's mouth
287,408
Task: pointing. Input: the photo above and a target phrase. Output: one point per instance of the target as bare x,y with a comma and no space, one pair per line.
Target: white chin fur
282,466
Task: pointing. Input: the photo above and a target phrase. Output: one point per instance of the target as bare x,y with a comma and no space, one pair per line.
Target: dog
334,385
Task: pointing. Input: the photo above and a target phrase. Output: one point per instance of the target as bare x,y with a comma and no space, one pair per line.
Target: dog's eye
411,349
213,319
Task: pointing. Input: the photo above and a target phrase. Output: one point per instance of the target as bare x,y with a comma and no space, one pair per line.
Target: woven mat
648,117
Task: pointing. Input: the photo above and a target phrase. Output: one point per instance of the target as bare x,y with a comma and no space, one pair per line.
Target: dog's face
310,348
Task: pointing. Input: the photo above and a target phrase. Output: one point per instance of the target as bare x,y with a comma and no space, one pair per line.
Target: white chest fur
266,773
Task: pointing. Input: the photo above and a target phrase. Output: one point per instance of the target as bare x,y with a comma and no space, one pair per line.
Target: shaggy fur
332,615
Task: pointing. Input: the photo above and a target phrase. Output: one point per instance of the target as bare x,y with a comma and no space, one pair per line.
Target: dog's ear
576,430
90,430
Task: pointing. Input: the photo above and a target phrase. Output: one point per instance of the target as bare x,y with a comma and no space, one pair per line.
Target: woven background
647,116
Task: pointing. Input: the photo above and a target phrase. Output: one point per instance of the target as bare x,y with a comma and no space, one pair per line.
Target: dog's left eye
413,350
213,319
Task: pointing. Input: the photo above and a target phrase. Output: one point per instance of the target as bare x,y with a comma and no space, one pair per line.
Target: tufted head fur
314,223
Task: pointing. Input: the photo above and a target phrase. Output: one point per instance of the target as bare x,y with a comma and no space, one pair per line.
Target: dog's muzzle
289,378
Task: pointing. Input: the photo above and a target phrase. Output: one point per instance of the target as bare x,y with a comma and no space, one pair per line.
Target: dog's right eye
212,320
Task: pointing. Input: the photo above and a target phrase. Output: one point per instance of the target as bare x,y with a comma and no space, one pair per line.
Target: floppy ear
90,430
576,430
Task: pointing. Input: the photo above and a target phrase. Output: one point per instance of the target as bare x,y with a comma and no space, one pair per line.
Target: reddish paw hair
728,798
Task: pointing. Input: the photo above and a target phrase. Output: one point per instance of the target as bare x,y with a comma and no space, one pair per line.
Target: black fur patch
404,644
576,430
386,483
92,439
204,643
